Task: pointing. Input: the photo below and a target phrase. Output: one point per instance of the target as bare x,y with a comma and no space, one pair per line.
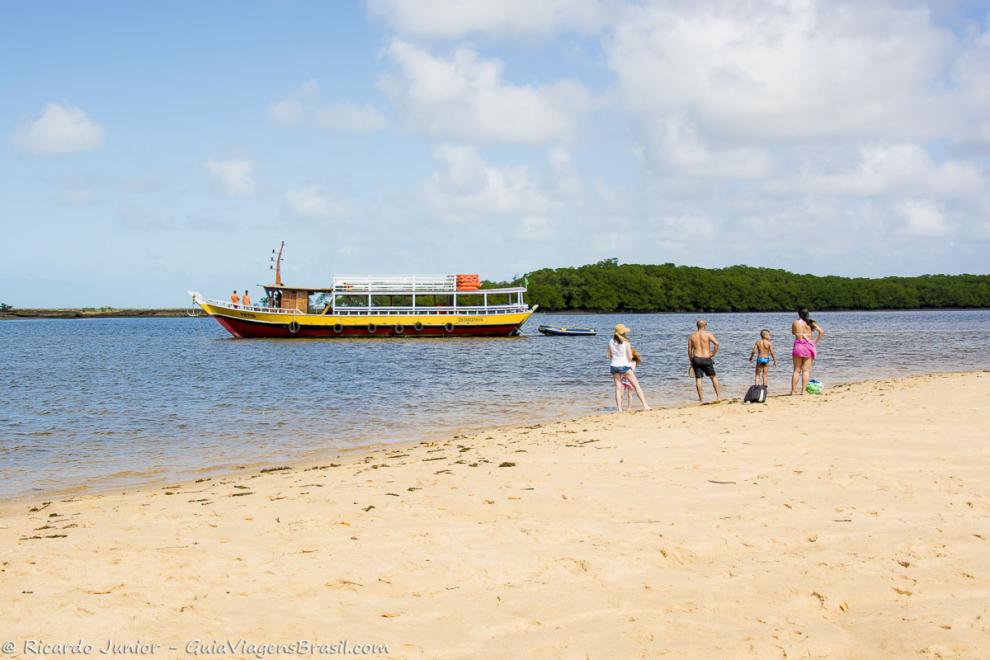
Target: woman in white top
620,364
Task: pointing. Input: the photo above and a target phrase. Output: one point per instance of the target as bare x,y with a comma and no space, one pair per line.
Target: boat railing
380,311
411,283
251,308
429,311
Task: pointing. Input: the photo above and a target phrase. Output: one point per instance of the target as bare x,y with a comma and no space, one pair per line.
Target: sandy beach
854,524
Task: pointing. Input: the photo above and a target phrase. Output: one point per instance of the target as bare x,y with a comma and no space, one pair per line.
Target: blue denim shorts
619,370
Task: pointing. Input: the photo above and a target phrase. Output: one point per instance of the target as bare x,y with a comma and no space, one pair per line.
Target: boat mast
278,264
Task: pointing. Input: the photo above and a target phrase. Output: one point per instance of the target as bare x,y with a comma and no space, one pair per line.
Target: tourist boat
556,331
376,306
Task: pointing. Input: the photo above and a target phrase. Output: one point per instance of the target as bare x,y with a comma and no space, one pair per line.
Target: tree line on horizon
608,286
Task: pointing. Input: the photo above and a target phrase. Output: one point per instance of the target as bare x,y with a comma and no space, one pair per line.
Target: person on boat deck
234,299
246,299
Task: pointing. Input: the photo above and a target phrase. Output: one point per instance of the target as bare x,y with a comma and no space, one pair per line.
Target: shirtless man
702,347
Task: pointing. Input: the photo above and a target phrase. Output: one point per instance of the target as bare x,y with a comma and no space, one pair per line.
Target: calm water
109,402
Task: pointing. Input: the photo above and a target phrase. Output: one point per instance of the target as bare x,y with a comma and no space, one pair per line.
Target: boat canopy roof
393,285
393,292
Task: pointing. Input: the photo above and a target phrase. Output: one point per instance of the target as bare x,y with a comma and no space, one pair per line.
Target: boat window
320,301
351,300
499,299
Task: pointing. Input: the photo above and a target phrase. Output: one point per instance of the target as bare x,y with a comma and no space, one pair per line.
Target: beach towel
804,348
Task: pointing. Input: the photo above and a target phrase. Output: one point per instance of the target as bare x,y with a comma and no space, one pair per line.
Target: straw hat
620,329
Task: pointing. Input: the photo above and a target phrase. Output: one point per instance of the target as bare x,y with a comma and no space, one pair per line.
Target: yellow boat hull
261,323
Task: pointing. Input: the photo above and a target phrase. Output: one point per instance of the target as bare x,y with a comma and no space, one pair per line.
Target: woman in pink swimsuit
804,329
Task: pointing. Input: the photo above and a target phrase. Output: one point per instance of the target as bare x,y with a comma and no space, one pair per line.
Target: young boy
763,351
627,387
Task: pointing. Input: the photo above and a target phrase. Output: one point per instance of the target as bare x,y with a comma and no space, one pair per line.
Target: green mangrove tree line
608,286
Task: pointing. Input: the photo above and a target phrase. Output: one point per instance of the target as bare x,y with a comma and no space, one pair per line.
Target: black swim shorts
703,367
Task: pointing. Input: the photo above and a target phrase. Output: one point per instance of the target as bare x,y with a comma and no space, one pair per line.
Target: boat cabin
404,294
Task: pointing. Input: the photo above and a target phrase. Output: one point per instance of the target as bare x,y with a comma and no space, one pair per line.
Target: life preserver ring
399,329
449,328
418,327
294,327
372,328
338,328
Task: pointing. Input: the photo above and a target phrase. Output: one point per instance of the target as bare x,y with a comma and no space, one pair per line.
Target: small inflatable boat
554,331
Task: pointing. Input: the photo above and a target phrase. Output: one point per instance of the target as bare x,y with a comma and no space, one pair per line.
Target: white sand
856,524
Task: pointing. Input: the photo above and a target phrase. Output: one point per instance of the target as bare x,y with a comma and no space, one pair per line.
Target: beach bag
815,386
756,394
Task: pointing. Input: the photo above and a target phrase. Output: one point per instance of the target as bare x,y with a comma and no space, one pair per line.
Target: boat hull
251,324
552,331
247,329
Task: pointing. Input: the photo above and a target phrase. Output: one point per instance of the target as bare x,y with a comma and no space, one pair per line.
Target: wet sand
854,524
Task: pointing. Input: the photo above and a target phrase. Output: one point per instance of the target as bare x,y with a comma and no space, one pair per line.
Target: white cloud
814,135
786,70
674,144
312,202
922,217
809,124
899,169
302,106
350,118
690,229
970,75
565,179
232,177
453,19
61,129
309,88
534,228
287,112
467,186
464,98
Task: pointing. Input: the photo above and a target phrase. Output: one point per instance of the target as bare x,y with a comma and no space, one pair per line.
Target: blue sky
151,148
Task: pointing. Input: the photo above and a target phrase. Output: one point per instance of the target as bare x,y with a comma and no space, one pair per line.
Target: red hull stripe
252,329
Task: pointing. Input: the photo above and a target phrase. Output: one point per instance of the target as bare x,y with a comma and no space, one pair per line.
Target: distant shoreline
164,313
91,313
